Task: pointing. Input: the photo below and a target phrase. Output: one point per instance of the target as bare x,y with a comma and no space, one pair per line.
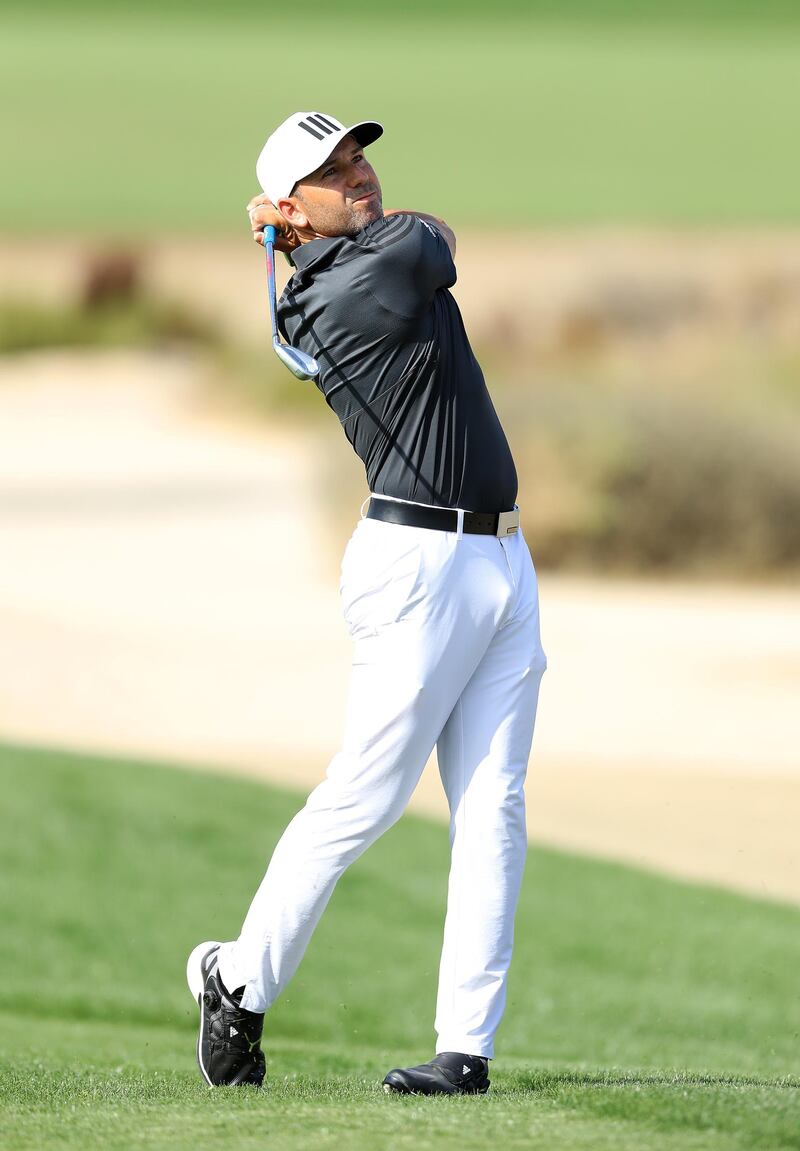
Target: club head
299,364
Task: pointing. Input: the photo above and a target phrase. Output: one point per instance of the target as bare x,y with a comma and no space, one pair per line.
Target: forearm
448,234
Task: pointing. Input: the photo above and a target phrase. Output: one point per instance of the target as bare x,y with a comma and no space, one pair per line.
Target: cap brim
367,132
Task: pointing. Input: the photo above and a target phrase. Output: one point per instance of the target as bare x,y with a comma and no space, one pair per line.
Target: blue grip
269,234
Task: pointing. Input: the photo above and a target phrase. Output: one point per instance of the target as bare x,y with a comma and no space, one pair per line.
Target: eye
359,156
328,172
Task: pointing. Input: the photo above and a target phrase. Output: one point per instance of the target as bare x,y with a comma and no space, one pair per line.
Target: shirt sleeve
410,261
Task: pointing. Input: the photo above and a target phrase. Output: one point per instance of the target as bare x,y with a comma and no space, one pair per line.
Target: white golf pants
446,653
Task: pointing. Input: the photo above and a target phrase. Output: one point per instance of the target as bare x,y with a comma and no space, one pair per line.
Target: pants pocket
382,576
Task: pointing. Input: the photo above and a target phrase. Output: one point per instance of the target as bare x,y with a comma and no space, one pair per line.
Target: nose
355,176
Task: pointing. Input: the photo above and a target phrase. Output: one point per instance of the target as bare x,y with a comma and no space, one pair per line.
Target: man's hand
262,211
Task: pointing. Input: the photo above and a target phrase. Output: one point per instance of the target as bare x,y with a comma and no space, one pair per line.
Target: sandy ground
165,589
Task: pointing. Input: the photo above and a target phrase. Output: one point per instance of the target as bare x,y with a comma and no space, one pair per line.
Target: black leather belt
443,519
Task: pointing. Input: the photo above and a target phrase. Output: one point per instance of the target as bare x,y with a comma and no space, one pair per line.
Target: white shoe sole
194,977
194,967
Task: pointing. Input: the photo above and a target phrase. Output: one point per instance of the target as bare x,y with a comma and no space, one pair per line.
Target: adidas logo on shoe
449,1073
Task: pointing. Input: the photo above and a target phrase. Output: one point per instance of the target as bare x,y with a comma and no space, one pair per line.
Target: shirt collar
307,254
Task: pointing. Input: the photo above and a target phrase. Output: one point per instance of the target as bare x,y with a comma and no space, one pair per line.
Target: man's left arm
447,233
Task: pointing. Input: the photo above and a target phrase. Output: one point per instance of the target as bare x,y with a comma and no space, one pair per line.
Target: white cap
300,144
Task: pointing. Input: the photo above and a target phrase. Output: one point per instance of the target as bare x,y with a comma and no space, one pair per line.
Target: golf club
299,364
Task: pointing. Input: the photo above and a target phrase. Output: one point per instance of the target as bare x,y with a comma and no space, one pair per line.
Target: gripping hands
262,212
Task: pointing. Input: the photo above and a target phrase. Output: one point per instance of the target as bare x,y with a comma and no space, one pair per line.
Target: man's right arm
446,232
411,261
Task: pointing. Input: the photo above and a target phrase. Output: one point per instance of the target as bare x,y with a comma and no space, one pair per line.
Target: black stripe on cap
323,120
322,123
312,131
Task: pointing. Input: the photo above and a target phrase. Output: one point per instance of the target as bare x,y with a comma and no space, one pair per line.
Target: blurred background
624,181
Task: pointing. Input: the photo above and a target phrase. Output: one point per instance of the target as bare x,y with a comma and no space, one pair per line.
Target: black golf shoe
229,1045
449,1073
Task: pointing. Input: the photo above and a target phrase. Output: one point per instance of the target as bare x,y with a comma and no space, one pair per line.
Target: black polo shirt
396,365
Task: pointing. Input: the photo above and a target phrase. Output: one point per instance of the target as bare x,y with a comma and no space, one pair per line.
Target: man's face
343,195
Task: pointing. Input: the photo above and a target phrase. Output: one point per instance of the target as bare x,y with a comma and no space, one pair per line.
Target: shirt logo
318,126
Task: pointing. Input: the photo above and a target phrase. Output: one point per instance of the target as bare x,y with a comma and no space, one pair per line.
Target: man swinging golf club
439,595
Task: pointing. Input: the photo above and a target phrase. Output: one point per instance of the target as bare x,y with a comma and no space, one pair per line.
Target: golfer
439,595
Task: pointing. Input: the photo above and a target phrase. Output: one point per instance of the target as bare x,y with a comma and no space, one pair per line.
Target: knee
497,814
348,819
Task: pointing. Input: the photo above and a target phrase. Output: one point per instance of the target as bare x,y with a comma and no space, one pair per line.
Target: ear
292,211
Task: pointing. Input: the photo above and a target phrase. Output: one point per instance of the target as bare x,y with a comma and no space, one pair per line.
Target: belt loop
366,501
460,522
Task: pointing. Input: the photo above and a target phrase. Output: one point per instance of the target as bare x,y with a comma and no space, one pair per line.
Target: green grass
642,1013
134,119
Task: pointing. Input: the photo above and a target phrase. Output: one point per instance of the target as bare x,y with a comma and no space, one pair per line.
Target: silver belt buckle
508,523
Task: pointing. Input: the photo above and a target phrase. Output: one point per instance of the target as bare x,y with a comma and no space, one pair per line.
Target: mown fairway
643,1013
132,118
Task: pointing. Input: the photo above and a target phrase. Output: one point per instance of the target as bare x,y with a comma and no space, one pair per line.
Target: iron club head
302,366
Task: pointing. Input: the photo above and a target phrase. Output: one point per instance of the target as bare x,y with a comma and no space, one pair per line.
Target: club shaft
269,251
